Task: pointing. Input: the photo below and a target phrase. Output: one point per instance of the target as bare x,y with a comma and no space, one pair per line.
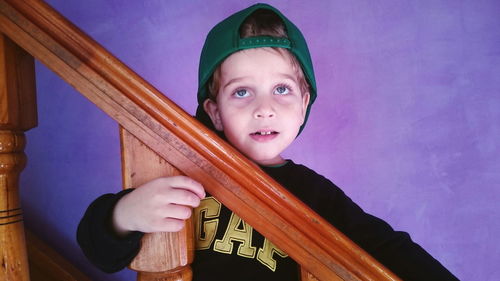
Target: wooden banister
163,256
17,115
186,144
46,264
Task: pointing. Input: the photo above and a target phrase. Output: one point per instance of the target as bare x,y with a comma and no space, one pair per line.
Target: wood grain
17,101
165,254
47,265
307,276
186,144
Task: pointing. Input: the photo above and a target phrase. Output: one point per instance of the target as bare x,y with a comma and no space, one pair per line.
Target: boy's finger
178,212
171,225
183,197
183,182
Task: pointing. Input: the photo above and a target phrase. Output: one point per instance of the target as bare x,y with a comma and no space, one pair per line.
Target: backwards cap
224,39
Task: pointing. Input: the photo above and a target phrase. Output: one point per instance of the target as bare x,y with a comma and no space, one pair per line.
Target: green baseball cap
224,39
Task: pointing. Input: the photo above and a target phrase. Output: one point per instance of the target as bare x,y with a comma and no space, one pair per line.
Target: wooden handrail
185,143
48,265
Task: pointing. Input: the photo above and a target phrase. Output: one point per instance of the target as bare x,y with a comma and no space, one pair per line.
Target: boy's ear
212,110
305,102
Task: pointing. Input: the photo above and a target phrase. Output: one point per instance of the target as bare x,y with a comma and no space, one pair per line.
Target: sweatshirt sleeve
97,240
394,249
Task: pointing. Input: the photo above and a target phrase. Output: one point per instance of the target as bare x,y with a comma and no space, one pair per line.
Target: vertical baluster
17,114
163,256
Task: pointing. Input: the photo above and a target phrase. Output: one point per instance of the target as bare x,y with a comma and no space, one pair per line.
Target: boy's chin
268,161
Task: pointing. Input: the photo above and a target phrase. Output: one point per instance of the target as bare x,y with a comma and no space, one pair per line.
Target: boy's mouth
264,133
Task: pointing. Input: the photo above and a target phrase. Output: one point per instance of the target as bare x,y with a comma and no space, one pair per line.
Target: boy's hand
160,205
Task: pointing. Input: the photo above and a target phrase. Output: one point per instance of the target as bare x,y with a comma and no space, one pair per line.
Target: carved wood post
17,114
163,256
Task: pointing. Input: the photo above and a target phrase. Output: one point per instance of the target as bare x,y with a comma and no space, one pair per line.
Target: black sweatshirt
227,248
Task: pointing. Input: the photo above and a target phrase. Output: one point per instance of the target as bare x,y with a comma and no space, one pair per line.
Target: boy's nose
264,110
264,114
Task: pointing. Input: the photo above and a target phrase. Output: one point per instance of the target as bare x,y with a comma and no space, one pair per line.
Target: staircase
150,124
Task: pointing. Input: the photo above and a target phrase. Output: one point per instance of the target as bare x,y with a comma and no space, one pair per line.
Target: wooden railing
45,264
150,119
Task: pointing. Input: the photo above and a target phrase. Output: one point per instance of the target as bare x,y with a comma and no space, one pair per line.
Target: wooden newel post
17,114
163,256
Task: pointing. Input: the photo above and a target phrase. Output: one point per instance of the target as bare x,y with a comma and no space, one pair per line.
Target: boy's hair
262,23
243,30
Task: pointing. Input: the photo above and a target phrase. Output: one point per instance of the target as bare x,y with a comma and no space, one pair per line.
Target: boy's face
259,105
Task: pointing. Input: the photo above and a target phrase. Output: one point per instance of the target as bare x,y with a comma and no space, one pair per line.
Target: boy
256,87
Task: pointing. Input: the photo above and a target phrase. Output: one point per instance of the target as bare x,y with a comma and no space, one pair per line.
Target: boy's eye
281,90
241,93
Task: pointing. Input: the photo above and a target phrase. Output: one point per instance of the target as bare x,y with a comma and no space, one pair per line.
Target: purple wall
406,121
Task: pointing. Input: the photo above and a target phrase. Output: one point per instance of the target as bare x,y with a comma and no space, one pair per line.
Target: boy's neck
276,165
